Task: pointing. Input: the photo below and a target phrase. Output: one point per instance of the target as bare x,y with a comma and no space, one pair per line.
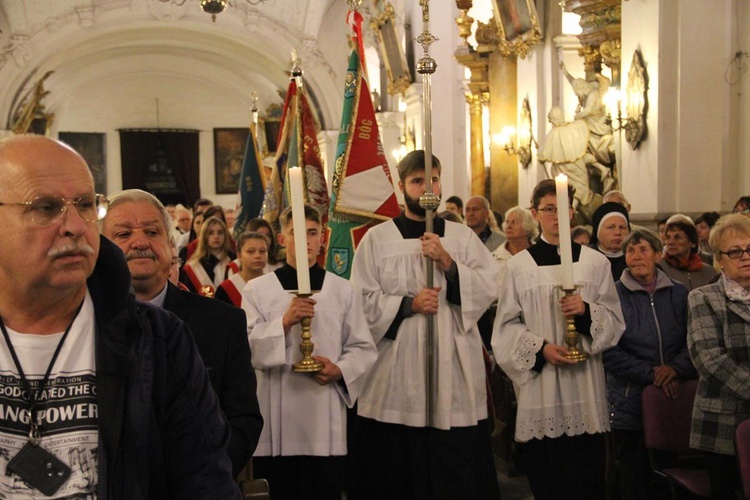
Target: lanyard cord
35,394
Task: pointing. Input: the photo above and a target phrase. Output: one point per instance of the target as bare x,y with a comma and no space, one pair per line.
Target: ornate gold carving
611,52
30,115
518,26
464,22
391,51
592,60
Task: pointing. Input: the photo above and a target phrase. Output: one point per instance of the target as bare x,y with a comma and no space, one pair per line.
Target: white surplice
567,400
300,416
388,268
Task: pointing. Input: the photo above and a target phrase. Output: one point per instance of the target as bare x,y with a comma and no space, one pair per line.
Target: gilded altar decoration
518,26
391,51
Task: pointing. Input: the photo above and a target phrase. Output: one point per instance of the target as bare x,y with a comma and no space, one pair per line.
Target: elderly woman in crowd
719,343
520,231
611,226
207,267
682,260
653,350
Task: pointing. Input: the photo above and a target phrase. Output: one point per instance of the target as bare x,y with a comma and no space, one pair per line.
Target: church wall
640,169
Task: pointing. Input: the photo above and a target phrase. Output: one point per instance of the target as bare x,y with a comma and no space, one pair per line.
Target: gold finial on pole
426,66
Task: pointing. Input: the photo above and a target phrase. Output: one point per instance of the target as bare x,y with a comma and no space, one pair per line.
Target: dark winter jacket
161,432
655,334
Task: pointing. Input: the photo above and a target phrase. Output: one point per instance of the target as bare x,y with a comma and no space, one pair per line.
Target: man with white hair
102,397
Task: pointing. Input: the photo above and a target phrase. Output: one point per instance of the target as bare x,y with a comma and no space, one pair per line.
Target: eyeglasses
548,210
741,212
736,253
46,210
176,261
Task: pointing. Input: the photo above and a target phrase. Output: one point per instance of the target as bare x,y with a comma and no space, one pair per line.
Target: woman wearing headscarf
611,226
719,344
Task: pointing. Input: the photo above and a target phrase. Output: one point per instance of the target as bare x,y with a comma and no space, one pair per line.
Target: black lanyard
34,395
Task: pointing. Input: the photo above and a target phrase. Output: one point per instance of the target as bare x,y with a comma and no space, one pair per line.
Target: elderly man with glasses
102,396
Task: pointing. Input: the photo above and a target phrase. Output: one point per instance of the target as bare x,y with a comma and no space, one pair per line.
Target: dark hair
201,202
646,235
215,211
744,201
414,162
547,187
311,213
456,201
710,218
273,248
662,221
684,224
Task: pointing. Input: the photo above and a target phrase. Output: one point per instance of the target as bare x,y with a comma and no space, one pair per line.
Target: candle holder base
307,364
572,337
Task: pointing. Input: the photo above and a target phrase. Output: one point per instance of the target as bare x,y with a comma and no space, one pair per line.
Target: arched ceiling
248,48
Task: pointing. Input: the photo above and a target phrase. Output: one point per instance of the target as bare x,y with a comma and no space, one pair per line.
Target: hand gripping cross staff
429,201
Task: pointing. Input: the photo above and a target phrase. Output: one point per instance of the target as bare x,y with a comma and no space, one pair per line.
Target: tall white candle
300,229
563,221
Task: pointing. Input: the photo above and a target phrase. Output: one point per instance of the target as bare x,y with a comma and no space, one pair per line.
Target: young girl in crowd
207,267
253,257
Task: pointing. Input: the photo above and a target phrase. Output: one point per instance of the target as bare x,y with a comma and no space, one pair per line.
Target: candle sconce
519,143
633,121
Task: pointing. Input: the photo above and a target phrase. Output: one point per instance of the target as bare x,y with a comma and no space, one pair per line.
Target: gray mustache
80,248
140,254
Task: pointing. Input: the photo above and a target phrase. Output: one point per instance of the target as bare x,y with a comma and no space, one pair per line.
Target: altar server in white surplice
401,454
303,444
562,406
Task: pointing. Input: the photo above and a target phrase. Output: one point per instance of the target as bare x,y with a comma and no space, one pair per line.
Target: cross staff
426,66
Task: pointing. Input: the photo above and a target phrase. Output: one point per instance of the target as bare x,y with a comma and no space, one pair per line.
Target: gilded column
478,183
503,112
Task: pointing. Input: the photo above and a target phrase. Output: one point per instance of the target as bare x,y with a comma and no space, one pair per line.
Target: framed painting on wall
92,146
517,24
229,152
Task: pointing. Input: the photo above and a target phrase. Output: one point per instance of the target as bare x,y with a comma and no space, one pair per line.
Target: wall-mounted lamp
406,138
518,142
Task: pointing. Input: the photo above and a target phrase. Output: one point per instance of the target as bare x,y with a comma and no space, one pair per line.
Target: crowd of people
171,344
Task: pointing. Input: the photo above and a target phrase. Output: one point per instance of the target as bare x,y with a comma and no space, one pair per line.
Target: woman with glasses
207,267
719,344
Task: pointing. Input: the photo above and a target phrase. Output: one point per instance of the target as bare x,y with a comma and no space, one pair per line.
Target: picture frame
518,26
93,147
229,153
391,51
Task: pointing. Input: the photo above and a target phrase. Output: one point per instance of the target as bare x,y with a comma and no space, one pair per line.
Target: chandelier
213,7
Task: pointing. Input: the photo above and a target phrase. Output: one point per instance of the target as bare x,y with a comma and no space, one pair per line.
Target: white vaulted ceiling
163,50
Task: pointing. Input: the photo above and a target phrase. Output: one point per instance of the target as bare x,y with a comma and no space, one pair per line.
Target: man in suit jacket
138,223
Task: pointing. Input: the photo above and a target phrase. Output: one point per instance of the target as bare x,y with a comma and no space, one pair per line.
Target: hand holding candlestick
566,269
299,224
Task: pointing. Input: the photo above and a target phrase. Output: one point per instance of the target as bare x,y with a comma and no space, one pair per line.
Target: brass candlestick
572,337
307,364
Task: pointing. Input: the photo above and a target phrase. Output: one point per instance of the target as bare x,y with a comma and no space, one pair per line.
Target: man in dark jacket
137,222
119,402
